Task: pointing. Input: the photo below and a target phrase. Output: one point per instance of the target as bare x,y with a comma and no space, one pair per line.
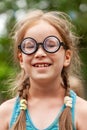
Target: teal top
54,125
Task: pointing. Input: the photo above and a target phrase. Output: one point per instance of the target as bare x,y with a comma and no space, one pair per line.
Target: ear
68,56
20,58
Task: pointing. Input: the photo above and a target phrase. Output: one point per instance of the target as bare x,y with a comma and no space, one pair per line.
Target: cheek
58,61
59,65
26,62
27,66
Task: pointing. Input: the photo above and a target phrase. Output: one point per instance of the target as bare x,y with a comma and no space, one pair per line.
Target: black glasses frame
41,44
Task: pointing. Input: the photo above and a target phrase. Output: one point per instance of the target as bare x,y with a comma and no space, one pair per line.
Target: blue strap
15,112
73,95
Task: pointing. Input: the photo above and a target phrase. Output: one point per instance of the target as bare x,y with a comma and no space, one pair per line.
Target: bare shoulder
81,106
6,109
81,113
7,105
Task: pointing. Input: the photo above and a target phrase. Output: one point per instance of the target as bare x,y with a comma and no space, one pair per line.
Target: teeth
41,65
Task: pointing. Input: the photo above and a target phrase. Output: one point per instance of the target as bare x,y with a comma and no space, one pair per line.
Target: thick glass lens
51,44
28,46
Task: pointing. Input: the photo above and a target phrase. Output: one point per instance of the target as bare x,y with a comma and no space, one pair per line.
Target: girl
46,49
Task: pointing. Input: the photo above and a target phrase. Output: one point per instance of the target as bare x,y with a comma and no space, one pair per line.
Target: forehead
40,30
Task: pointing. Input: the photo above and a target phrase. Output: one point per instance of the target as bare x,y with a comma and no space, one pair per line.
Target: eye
28,44
51,43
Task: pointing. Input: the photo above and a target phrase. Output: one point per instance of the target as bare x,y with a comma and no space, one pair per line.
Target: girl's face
43,65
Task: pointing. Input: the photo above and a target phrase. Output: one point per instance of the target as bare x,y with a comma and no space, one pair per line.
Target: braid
23,91
65,121
20,123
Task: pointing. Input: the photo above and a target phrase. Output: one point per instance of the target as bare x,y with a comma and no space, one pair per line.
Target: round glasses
51,44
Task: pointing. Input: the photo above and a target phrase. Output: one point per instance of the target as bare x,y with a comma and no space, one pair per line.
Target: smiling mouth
42,65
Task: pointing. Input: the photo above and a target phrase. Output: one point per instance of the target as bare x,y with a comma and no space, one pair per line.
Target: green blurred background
12,10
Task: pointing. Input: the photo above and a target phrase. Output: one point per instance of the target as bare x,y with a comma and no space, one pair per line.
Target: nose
40,53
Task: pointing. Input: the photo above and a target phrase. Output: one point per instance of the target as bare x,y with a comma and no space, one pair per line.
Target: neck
46,89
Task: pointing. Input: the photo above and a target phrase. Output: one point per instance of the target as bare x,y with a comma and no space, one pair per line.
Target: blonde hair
62,23
77,85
